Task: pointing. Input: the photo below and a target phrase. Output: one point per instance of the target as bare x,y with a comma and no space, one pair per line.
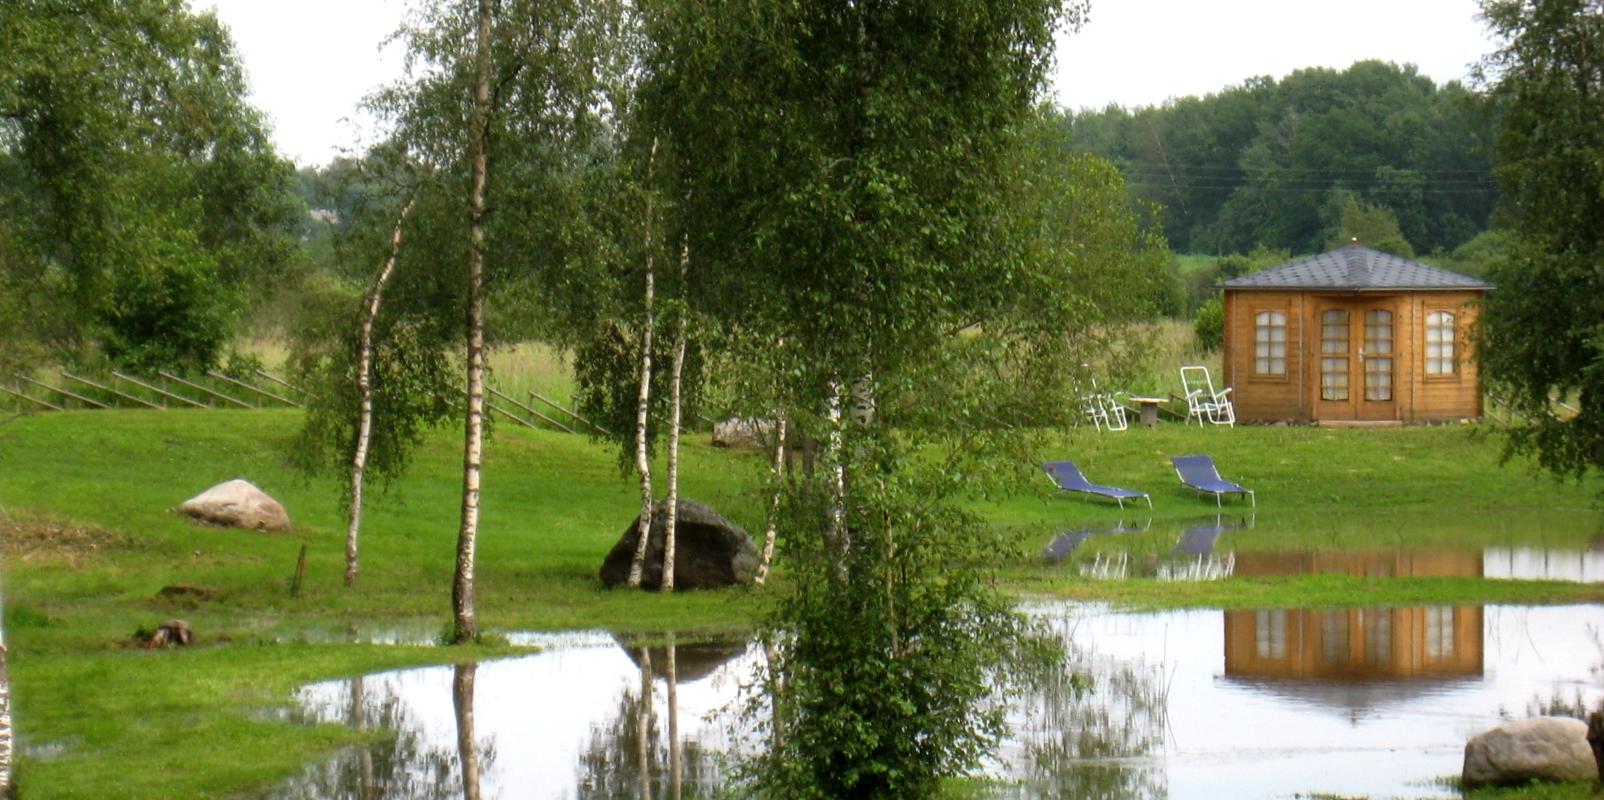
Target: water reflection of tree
400,764
1575,705
1093,728
6,741
630,755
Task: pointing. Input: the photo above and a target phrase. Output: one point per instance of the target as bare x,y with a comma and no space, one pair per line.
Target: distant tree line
1279,163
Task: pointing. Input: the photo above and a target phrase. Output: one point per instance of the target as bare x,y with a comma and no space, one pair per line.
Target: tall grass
517,369
1168,345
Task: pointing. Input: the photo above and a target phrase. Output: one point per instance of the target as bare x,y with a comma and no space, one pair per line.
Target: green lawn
90,539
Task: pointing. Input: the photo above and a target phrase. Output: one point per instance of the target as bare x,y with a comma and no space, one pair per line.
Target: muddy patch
48,540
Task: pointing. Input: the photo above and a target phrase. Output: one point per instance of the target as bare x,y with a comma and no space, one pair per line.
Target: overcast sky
310,63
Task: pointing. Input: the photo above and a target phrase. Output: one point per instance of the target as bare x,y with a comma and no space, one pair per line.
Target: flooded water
1184,704
1270,703
588,717
1220,546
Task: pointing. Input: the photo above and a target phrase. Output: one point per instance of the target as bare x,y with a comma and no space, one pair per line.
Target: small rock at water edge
1540,748
237,504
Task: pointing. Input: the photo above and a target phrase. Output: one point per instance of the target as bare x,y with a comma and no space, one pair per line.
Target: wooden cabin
1352,335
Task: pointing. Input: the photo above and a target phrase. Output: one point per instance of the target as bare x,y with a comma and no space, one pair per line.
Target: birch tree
1540,337
364,385
465,624
643,405
675,406
511,89
377,380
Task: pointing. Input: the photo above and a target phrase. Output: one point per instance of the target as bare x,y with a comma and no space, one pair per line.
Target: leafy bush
1209,325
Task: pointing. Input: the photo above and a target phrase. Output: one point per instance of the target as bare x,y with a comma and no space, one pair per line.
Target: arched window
1270,343
1440,357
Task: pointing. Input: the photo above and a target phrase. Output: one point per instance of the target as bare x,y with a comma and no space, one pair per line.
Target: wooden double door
1356,362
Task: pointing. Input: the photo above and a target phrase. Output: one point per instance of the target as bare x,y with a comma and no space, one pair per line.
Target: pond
1557,547
1182,704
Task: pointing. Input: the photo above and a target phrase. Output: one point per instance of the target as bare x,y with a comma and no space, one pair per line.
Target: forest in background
1276,163
1236,181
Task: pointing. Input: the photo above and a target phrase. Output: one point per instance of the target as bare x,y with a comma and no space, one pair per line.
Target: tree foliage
1351,219
1256,164
879,221
141,203
1542,335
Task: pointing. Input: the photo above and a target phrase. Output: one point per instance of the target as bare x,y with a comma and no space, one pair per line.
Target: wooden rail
251,388
30,398
492,408
494,392
124,395
158,390
64,392
199,388
284,383
554,404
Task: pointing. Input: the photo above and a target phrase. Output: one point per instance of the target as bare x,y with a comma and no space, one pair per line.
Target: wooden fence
66,391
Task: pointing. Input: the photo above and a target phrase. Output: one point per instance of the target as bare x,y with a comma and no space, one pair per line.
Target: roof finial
1353,241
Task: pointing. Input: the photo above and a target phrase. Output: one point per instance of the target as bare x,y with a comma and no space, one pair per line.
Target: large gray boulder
741,432
710,552
237,504
1540,748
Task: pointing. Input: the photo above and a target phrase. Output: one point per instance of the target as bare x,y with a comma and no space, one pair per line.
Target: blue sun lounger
1198,473
1069,478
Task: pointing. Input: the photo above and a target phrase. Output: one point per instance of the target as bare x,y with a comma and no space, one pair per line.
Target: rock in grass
710,552
741,432
237,504
1540,748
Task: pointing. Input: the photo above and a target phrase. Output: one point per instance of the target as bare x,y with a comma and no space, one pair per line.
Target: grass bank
90,540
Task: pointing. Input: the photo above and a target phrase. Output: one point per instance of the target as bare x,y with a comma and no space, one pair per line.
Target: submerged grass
89,541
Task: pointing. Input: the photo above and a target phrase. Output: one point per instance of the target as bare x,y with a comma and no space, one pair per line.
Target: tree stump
1595,738
171,632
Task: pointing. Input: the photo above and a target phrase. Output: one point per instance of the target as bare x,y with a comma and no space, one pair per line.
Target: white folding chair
1202,402
1104,410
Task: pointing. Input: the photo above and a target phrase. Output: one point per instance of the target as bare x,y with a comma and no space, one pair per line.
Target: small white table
1149,409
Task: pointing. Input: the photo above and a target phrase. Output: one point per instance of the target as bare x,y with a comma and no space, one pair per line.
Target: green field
90,540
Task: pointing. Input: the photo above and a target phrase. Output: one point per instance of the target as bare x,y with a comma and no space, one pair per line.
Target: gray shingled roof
1355,268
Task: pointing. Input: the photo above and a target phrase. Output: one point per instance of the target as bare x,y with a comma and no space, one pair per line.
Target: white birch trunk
643,724
771,667
467,750
7,743
359,721
466,625
838,473
364,386
676,374
643,403
774,498
674,766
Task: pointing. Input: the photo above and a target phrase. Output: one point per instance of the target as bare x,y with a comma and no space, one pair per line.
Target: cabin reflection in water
1356,644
